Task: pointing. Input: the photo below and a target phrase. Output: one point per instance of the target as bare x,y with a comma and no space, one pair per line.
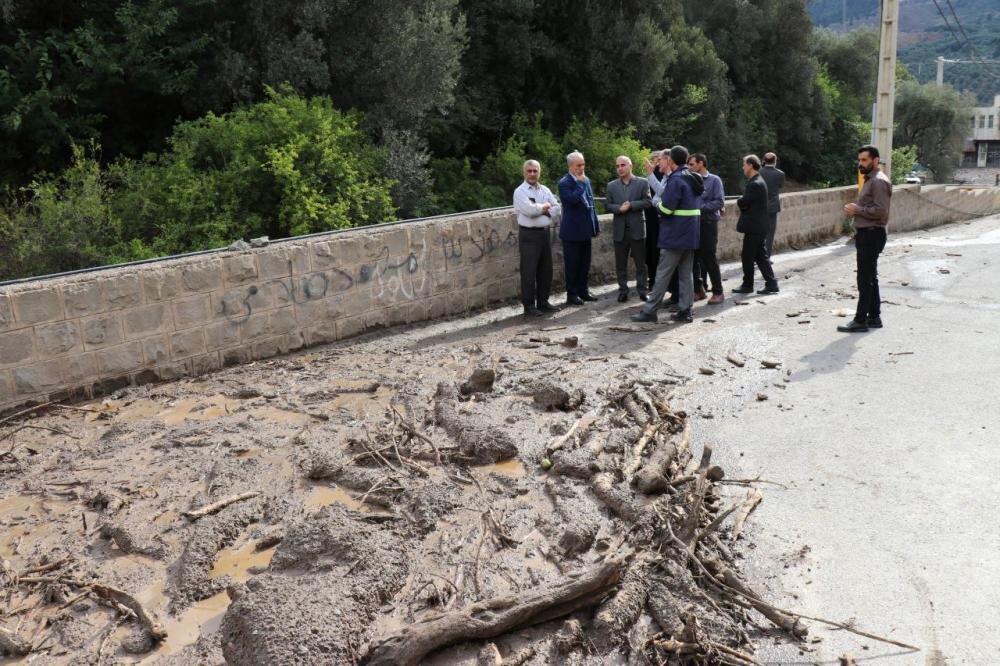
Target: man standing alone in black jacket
753,224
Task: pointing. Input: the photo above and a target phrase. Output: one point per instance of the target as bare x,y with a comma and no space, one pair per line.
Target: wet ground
878,452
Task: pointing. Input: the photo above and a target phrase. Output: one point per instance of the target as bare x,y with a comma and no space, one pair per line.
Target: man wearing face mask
871,217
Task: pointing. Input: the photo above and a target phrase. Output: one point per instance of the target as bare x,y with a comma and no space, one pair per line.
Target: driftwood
149,622
578,429
220,505
497,616
617,615
753,498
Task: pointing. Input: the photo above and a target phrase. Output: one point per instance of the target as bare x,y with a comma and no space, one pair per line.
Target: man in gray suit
627,198
774,178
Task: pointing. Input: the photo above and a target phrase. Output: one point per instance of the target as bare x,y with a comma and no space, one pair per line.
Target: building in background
982,147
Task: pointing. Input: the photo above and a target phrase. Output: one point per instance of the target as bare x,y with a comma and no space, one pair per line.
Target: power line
977,59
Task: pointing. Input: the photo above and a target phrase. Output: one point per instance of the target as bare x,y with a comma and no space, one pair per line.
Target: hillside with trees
924,36
135,130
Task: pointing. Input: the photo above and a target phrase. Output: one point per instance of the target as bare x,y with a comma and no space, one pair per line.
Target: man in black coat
753,224
775,179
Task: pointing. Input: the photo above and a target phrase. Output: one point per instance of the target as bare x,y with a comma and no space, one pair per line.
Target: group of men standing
667,223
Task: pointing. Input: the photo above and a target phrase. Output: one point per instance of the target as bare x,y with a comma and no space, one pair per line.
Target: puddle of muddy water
236,563
201,619
513,468
326,495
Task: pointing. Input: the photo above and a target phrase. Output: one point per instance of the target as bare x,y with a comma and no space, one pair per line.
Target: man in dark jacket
680,219
775,179
579,226
713,202
753,225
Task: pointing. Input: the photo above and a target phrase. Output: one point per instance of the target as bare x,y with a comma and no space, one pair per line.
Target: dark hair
700,159
679,154
753,161
770,159
870,149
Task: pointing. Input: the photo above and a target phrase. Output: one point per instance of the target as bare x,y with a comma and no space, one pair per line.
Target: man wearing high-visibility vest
680,225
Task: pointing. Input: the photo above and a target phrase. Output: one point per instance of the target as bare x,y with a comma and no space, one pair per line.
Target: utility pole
886,96
940,71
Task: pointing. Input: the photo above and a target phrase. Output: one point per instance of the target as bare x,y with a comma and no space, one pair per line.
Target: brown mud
399,499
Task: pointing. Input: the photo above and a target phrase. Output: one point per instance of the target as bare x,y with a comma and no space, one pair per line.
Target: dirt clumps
481,381
353,569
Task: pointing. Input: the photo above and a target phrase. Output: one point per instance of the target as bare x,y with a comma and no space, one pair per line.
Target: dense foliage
131,130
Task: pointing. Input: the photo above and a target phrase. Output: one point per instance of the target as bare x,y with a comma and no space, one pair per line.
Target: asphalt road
882,449
887,443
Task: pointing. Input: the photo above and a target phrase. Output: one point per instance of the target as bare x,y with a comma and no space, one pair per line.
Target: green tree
60,223
111,71
283,167
934,120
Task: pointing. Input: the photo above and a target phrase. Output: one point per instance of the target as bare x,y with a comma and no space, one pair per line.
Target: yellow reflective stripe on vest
682,212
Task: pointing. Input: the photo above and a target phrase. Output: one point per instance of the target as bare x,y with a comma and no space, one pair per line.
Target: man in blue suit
579,226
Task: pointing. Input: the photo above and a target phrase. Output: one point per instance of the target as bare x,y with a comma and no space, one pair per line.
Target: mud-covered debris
761,397
569,638
481,381
736,359
770,363
578,537
477,441
134,535
570,342
706,371
549,396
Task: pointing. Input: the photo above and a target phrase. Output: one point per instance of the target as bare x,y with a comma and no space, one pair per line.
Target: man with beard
871,217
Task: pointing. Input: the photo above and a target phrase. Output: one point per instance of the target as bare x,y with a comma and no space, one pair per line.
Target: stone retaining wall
94,332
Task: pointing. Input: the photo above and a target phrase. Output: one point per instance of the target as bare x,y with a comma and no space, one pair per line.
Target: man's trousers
755,252
869,243
681,261
637,249
535,247
772,227
576,255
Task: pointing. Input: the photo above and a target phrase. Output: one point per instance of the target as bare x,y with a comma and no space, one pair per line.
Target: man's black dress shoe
574,300
854,327
644,317
532,312
622,297
682,316
744,289
772,289
588,297
643,296
545,306
875,322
